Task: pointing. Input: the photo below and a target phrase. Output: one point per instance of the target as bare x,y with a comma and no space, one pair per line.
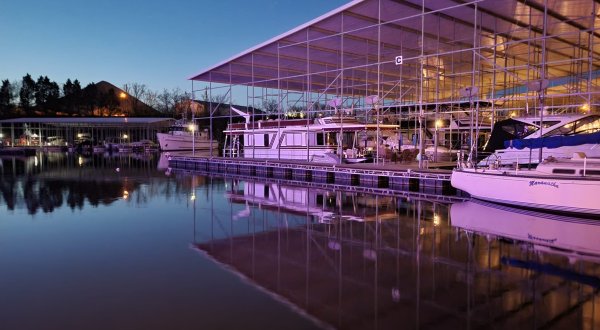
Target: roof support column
421,59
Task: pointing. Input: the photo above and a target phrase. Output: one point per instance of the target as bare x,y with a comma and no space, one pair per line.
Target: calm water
119,242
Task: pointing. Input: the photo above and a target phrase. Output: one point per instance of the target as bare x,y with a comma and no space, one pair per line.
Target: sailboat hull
576,195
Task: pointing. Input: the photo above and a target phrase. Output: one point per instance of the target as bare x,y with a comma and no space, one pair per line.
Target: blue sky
155,42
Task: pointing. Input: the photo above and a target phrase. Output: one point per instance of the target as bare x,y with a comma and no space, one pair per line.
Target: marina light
436,220
584,107
439,123
79,135
80,161
125,194
1,135
192,127
125,136
193,197
123,95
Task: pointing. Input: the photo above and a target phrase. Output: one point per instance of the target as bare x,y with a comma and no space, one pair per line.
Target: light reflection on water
185,251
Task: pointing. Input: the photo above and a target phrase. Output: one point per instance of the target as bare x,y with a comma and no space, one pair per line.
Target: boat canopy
506,130
554,141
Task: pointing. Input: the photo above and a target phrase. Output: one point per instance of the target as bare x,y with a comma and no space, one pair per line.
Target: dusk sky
155,42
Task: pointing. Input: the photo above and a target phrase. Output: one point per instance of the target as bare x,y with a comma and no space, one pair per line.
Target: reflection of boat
324,206
55,141
566,185
562,234
144,146
511,135
180,137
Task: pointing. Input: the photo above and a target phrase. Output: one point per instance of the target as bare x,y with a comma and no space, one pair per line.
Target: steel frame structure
495,47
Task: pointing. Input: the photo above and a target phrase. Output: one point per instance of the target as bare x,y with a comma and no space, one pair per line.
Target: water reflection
51,180
352,260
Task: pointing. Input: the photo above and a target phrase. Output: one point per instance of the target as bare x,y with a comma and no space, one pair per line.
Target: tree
151,99
68,88
27,93
271,107
165,104
137,91
110,101
5,95
90,100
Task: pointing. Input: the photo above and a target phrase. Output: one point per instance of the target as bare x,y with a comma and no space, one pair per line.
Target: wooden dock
366,177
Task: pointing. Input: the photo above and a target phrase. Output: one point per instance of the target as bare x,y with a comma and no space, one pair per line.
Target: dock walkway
388,175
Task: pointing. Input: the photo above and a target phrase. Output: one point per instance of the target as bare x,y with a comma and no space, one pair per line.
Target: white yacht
180,138
562,185
319,140
515,140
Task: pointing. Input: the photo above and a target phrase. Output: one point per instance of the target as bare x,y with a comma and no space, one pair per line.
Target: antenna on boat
335,103
539,86
373,100
470,92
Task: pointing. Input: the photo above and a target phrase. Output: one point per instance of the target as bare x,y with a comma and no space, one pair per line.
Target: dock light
192,127
436,220
584,107
193,197
125,194
79,135
125,136
1,135
512,114
439,123
123,95
80,161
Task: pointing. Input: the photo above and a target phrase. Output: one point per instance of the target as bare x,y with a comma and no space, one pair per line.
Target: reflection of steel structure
491,48
411,271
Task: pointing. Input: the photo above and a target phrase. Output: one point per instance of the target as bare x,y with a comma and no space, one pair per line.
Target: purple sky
155,42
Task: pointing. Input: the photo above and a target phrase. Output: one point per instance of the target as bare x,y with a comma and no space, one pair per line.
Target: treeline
46,98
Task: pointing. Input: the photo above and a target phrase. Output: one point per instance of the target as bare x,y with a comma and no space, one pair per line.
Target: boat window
320,139
331,139
519,129
293,139
547,123
266,141
590,172
585,125
563,171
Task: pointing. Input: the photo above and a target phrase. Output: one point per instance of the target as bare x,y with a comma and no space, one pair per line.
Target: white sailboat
562,185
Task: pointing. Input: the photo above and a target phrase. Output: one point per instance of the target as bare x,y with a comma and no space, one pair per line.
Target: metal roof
102,121
445,45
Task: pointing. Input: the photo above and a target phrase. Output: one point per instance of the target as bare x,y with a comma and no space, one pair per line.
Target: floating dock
366,177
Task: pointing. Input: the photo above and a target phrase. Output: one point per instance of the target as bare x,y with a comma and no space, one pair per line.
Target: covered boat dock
69,131
431,63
